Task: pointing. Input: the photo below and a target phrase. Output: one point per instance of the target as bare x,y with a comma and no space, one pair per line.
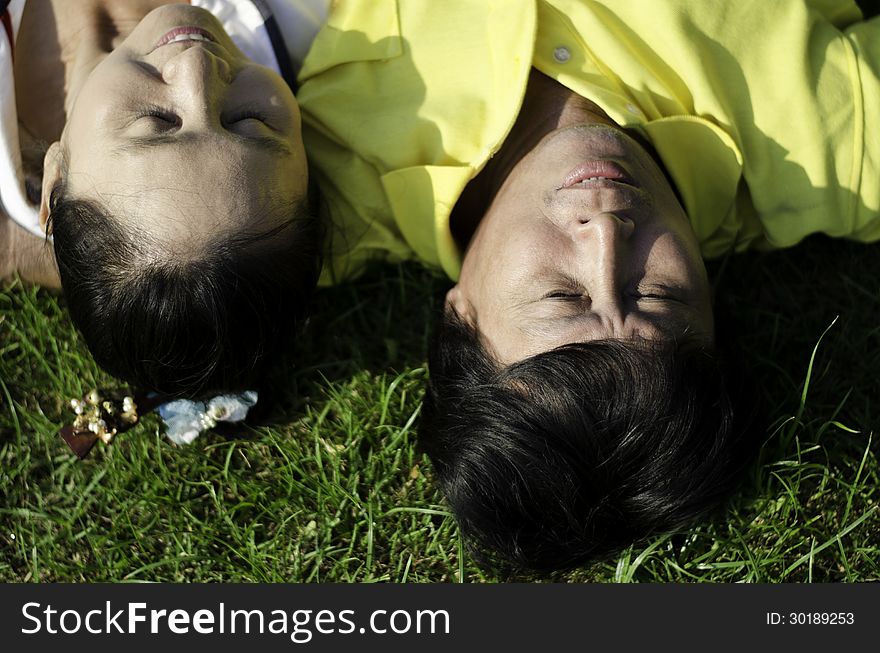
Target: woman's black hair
575,453
184,327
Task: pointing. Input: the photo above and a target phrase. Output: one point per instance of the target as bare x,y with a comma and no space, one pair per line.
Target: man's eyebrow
141,143
674,324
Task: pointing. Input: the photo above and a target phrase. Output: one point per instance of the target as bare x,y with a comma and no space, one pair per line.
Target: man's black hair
208,322
575,453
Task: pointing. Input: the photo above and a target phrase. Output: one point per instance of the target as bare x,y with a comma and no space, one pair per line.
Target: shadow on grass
377,324
778,305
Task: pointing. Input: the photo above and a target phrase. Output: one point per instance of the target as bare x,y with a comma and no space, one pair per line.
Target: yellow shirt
758,109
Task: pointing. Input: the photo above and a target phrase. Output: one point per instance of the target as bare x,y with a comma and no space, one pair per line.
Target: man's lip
187,29
609,170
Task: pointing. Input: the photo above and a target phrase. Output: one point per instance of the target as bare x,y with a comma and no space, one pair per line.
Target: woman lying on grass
567,164
168,167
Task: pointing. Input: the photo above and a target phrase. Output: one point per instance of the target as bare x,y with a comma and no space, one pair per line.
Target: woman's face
180,135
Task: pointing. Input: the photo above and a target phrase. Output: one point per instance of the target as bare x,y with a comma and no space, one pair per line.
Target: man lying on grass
568,163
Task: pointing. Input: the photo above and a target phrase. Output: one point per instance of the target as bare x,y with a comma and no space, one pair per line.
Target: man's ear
456,301
52,166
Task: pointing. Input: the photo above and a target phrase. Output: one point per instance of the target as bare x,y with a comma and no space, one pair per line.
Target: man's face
585,240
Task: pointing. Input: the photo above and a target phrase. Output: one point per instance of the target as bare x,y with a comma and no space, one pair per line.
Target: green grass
333,490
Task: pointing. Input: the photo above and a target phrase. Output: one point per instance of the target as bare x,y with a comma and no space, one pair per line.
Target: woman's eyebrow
141,143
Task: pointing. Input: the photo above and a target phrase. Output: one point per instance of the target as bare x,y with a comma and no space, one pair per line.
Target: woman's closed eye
159,118
246,115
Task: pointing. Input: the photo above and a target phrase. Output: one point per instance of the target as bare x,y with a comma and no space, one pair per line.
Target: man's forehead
530,337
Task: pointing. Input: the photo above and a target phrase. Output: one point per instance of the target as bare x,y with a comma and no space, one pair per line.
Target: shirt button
632,109
561,54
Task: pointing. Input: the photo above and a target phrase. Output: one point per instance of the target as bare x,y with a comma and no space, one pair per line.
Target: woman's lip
589,169
188,29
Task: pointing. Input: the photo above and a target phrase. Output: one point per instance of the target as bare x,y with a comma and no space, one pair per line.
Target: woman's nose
198,70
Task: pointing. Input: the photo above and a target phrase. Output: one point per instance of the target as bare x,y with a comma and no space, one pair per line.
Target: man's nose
607,228
604,243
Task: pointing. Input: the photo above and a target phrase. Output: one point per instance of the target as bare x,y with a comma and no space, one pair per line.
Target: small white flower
185,420
232,408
